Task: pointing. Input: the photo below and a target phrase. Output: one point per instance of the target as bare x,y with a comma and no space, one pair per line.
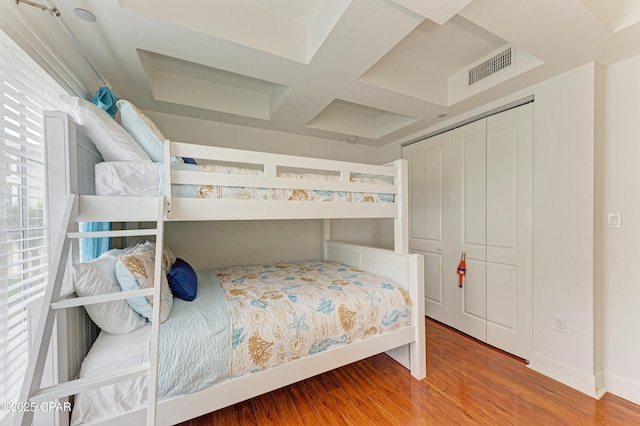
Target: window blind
25,91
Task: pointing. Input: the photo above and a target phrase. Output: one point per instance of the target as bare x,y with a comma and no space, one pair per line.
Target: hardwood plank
361,377
467,382
350,407
244,414
284,407
265,410
300,398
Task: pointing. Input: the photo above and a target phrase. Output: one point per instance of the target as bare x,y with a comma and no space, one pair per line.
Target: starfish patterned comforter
286,311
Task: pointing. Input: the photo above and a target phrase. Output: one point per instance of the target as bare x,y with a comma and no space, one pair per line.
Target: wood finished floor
467,383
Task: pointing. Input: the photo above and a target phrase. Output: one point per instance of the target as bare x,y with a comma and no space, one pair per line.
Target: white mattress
111,352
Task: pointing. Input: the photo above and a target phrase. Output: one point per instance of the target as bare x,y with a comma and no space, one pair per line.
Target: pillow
183,280
144,131
135,270
106,100
168,258
113,142
98,277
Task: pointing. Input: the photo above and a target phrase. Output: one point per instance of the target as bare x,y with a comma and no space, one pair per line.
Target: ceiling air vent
491,66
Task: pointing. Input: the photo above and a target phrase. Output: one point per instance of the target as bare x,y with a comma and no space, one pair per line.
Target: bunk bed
279,187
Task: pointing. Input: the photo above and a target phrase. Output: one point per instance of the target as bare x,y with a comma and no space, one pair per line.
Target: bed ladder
94,209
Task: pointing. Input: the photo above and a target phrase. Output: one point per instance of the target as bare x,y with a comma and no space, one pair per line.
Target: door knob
439,248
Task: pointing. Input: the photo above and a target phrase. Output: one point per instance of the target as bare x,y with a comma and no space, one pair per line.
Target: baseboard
587,383
624,388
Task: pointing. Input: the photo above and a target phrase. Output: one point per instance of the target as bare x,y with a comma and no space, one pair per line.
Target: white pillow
136,269
98,277
113,142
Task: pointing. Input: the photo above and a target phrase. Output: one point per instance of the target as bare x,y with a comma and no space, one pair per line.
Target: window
25,91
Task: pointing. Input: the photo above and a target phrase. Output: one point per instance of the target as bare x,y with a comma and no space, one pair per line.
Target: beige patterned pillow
168,258
135,270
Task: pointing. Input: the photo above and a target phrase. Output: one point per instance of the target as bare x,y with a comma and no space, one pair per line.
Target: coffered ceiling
376,70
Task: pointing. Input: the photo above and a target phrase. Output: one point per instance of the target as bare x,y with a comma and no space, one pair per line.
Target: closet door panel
502,295
471,315
469,233
417,195
502,194
427,170
509,230
426,190
433,288
474,173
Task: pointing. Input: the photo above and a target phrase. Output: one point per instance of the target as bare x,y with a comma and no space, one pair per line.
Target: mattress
247,319
147,179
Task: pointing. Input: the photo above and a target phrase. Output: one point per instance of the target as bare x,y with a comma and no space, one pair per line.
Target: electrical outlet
560,324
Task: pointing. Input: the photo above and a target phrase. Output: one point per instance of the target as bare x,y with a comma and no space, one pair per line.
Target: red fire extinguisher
462,268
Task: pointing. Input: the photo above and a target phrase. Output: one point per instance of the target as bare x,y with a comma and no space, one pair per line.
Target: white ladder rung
81,385
121,233
90,300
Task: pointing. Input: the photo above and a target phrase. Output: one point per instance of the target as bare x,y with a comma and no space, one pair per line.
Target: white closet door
471,191
470,235
428,201
494,204
509,230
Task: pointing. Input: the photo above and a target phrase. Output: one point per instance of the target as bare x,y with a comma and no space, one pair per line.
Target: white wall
365,232
204,132
621,188
208,245
564,200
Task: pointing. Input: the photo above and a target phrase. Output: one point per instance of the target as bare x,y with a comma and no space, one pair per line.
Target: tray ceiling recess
359,120
292,29
617,15
424,65
194,85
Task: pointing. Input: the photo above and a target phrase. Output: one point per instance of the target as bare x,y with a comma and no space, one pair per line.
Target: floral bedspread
242,193
282,312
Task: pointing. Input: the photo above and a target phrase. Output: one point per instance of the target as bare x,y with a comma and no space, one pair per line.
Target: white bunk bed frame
406,345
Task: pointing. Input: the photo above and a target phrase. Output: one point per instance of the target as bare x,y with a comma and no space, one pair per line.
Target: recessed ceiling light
85,15
352,139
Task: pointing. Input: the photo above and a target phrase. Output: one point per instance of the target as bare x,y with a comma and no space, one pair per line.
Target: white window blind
25,91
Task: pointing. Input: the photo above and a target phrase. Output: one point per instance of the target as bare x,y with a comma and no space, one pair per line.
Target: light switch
615,220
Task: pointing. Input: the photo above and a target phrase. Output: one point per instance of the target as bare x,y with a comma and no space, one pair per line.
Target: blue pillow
143,130
183,280
189,160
